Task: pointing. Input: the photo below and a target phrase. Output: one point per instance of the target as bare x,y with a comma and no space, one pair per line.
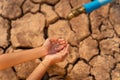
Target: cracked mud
94,39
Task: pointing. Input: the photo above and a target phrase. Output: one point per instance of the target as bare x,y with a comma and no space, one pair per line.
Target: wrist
47,61
45,50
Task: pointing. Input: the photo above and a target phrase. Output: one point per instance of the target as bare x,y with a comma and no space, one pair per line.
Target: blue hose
91,6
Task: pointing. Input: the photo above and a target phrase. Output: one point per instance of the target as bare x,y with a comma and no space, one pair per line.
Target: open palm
59,56
54,45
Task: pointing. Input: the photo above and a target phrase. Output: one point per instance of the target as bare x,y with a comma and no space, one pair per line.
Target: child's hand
59,56
54,45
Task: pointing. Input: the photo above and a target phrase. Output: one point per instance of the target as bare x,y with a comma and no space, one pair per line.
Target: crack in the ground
53,76
90,26
113,27
44,2
90,74
17,16
84,38
45,31
13,69
93,77
110,72
21,7
85,61
99,50
66,72
2,48
46,17
8,34
72,45
76,61
35,2
46,76
23,48
71,5
111,5
71,26
28,10
4,17
93,57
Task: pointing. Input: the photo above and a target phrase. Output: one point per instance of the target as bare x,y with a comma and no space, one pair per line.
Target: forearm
11,59
39,72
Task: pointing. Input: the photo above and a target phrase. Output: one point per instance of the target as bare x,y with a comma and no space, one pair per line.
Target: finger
60,47
61,53
66,49
65,44
46,41
65,56
53,39
65,53
62,42
58,41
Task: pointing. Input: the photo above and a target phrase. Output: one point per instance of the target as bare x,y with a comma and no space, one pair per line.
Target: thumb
65,51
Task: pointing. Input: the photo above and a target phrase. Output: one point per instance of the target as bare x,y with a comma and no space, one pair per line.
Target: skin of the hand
50,59
59,56
54,45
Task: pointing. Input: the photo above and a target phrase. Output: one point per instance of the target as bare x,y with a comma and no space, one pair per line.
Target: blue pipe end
91,6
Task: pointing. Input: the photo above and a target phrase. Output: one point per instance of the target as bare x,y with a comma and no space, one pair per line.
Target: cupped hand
59,56
54,45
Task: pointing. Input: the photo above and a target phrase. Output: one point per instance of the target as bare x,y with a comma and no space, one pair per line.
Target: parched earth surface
94,38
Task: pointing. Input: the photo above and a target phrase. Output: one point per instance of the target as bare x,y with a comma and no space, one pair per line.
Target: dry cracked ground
94,38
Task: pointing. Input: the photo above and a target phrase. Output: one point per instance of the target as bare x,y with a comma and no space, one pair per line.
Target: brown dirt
94,39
